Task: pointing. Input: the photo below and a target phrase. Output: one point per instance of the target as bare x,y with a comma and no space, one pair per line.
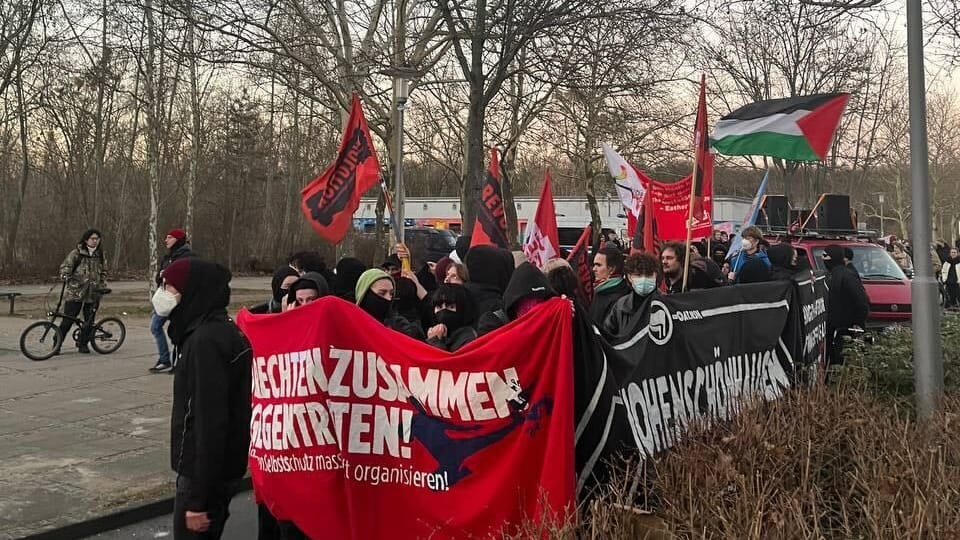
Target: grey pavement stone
80,435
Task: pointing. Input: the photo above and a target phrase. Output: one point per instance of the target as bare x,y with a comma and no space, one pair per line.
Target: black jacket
179,251
605,297
401,324
486,298
210,423
527,281
623,311
781,256
458,338
847,301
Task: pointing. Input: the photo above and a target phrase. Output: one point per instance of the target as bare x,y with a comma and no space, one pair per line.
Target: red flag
645,237
579,259
703,190
491,224
541,241
360,432
331,199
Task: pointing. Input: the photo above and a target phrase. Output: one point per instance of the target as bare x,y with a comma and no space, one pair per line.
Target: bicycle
42,340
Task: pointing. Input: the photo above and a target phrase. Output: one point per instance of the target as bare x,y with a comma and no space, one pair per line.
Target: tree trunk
10,252
124,178
195,131
99,144
473,160
154,111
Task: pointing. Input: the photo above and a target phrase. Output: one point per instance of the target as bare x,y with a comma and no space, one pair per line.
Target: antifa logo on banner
703,354
329,202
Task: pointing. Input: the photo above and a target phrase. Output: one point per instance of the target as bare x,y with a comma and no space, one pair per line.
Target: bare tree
781,48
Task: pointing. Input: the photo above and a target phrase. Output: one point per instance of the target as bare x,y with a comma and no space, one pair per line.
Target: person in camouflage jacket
85,273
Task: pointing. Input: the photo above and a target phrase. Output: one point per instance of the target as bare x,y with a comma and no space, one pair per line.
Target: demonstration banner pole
693,194
928,373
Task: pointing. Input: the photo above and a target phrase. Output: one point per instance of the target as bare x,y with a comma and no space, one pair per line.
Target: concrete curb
116,520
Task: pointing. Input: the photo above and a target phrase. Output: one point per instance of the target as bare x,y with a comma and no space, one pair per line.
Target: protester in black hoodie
528,288
210,422
283,278
308,288
347,273
453,318
847,301
490,269
783,261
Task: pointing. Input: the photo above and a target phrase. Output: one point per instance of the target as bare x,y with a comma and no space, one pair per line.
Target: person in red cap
210,418
177,248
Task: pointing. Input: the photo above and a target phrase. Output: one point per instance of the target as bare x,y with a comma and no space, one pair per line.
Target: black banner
698,355
812,298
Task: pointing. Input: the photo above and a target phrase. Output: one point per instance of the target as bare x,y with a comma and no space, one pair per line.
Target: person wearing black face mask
454,315
374,292
783,261
847,301
283,278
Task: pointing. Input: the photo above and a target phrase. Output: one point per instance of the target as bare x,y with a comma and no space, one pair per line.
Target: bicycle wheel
40,340
108,335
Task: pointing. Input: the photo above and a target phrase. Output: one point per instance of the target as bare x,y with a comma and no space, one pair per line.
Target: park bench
12,296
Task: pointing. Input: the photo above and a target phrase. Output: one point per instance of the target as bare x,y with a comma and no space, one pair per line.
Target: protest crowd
625,304
447,303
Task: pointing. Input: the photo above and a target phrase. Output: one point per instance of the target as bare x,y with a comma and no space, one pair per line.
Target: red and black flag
703,190
579,259
331,199
491,225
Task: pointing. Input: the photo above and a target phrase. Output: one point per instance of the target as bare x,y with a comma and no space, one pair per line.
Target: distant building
444,212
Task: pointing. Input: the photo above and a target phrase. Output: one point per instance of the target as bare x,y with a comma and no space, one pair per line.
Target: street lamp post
400,90
928,364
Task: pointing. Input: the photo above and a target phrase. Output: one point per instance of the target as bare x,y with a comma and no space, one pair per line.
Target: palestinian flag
795,129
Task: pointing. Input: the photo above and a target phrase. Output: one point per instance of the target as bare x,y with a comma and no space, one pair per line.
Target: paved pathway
241,525
82,435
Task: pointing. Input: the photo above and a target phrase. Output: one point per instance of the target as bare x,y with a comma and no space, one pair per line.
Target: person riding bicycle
85,273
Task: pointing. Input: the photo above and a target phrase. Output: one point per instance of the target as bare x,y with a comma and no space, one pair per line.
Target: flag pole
693,191
698,139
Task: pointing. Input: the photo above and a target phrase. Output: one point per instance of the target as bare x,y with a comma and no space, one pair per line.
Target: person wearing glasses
85,274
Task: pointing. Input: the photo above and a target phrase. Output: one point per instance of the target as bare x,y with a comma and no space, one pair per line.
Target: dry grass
824,463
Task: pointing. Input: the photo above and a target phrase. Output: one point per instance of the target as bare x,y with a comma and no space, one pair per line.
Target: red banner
331,199
671,204
360,432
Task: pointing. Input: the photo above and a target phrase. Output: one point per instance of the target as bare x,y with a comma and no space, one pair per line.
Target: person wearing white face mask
642,273
210,419
749,249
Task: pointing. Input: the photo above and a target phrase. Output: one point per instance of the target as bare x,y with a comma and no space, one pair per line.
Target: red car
888,288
